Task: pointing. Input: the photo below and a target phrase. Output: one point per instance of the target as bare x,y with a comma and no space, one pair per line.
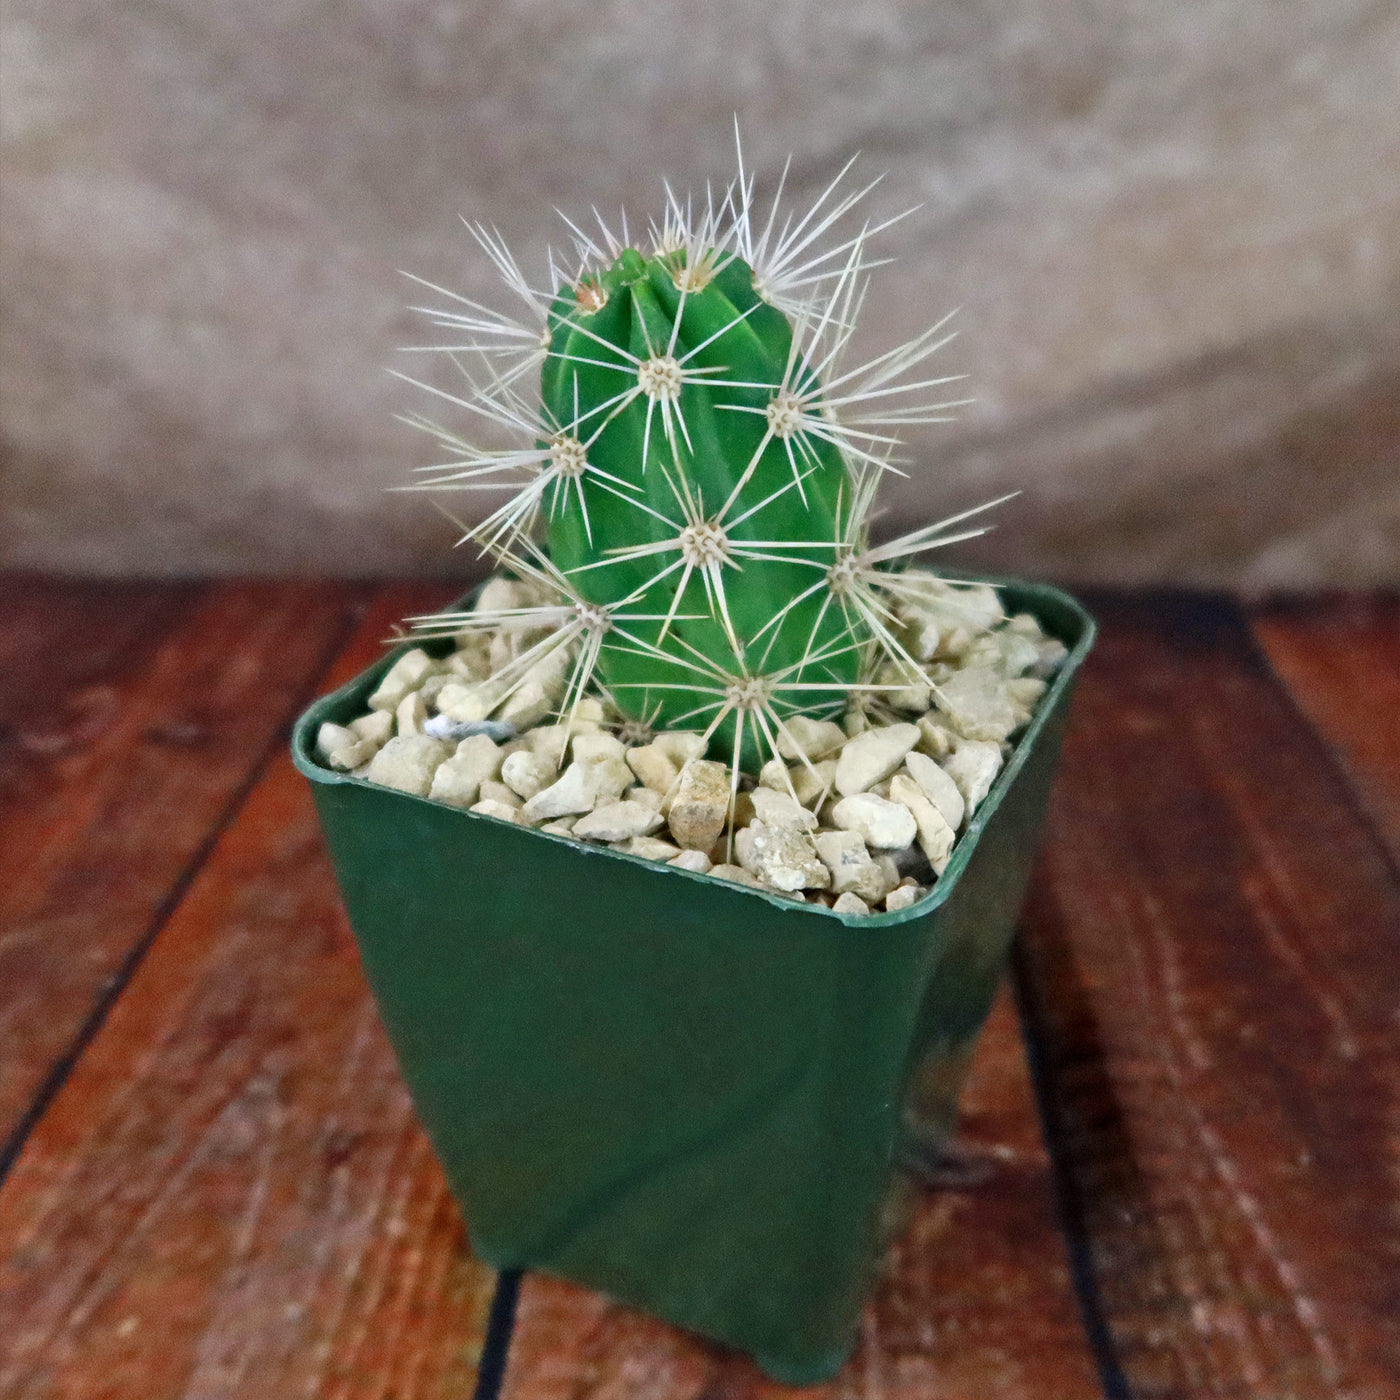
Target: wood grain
974,1300
1340,658
230,1197
131,719
1211,963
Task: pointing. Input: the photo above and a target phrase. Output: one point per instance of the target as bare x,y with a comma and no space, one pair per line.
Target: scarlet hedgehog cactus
691,497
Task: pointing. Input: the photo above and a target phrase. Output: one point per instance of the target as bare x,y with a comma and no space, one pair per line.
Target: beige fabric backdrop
1174,231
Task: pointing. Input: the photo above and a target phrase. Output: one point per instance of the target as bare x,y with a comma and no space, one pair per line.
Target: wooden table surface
1182,1136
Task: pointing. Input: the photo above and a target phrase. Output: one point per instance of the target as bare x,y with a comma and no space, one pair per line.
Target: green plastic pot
691,1095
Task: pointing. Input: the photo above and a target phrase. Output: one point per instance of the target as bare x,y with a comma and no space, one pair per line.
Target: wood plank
1340,658
230,1196
1211,968
131,720
974,1300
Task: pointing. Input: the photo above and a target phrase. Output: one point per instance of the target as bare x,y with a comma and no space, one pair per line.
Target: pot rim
304,735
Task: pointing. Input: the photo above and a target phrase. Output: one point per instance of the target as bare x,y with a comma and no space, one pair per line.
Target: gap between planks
230,1194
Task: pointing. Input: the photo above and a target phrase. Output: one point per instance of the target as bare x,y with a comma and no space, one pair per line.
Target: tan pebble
549,742
774,774
812,785
934,739
886,825
470,662
408,763
406,674
848,903
1026,692
458,780
871,757
412,711
696,861
610,777
500,810
617,821
468,702
780,810
525,773
903,897
813,739
332,737
528,705
735,874
977,705
653,767
681,746
783,858
649,848
936,836
377,726
700,805
563,827
974,766
573,792
938,787
587,747
845,855
493,791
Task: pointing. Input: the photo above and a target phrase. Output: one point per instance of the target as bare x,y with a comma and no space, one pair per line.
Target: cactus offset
690,506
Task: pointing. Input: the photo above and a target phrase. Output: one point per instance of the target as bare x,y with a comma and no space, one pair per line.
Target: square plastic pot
688,1094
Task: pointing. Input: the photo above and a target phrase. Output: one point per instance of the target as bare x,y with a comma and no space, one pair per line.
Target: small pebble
701,804
783,858
936,836
904,897
938,787
736,874
848,903
493,791
681,746
408,763
810,738
563,827
618,821
886,825
600,745
406,674
411,714
525,773
977,705
778,809
377,727
653,767
845,855
974,766
651,848
500,810
872,756
573,793
697,861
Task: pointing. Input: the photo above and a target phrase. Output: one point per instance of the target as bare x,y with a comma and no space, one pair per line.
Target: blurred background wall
1173,231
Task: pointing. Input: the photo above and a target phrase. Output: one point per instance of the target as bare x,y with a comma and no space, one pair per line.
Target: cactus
688,509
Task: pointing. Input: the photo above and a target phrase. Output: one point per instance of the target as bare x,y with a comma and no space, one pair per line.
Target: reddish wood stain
231,1196
131,717
1340,658
1211,963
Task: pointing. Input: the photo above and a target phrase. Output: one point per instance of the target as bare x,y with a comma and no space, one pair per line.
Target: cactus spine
692,498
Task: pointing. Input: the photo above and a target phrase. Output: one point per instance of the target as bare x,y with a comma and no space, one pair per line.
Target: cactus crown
690,500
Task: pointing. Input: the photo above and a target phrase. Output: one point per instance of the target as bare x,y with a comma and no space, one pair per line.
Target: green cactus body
692,498
679,489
